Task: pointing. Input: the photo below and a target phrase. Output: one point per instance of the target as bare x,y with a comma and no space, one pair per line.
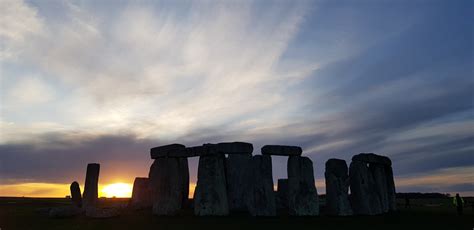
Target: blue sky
104,81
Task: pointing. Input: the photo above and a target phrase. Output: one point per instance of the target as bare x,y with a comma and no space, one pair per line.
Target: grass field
21,213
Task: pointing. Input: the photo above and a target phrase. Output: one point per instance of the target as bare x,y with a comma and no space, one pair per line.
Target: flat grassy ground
20,213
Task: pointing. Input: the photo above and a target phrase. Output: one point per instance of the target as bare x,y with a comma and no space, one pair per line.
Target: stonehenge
261,201
141,193
76,194
230,179
302,193
372,185
337,188
90,196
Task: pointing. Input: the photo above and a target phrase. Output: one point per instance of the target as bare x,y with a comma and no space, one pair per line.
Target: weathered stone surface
76,197
282,194
392,202
372,158
168,180
90,196
102,212
235,148
364,198
337,188
210,195
141,194
261,201
281,150
238,180
163,151
302,194
63,212
378,173
379,192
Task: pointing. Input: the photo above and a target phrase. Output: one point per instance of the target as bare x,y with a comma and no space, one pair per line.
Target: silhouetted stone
337,187
163,151
141,194
281,150
184,179
168,180
64,212
102,212
90,196
379,192
282,195
379,175
391,193
302,194
76,194
261,195
364,198
210,195
235,148
238,180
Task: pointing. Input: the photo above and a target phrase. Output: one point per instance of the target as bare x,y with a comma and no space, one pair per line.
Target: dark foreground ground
20,213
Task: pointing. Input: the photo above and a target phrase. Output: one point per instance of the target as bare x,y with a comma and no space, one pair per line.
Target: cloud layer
96,82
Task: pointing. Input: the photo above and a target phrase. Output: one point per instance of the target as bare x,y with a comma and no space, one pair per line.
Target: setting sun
117,190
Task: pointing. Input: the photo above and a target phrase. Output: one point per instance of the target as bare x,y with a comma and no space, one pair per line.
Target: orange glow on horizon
116,190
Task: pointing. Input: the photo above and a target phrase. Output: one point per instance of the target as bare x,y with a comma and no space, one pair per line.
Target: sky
105,81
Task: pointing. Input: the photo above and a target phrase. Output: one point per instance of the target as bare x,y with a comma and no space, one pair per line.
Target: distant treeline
416,195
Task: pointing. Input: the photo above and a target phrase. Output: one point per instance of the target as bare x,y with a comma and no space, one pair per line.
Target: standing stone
261,201
238,184
167,183
210,195
379,191
90,195
302,194
141,194
363,194
337,188
76,194
392,202
282,194
378,172
184,179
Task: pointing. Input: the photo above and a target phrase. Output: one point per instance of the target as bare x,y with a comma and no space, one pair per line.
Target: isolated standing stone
337,188
261,195
90,196
302,194
282,194
238,180
76,194
167,181
210,195
281,150
141,194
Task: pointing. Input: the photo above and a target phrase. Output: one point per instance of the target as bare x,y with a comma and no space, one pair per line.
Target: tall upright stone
372,184
168,179
261,201
90,195
210,194
76,194
141,194
184,179
238,180
337,188
302,194
282,195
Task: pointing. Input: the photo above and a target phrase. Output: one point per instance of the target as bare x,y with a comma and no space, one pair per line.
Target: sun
117,190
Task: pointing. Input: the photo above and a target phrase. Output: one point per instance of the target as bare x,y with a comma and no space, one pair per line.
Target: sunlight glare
117,190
